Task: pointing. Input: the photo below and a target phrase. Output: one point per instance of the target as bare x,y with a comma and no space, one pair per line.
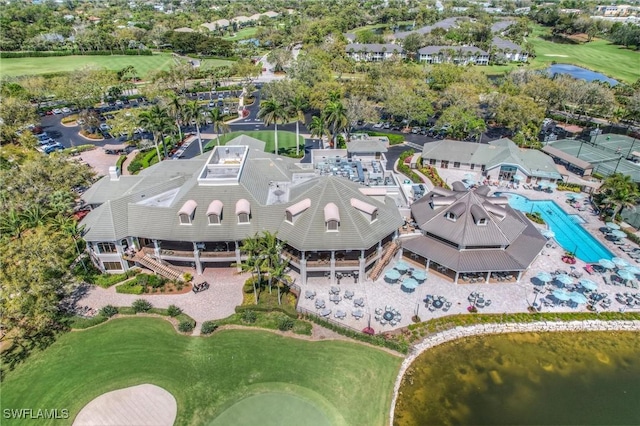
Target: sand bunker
138,405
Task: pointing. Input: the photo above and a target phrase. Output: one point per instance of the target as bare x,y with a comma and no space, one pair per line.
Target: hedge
406,170
44,54
130,287
79,148
121,161
431,173
378,340
107,280
260,308
394,139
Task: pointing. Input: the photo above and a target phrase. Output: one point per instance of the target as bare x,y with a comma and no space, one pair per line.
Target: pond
578,72
529,378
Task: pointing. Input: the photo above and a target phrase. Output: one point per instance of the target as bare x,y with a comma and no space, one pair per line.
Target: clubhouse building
198,212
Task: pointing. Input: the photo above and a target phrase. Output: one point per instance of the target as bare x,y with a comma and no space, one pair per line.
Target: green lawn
244,33
350,383
142,64
285,139
598,55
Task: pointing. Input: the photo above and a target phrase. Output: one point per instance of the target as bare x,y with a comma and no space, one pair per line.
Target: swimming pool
569,234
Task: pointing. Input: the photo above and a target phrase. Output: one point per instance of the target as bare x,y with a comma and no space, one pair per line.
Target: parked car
46,141
378,125
57,111
66,110
105,127
226,110
56,146
386,126
220,97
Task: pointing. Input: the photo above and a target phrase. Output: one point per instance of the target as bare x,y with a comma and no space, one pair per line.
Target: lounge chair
606,280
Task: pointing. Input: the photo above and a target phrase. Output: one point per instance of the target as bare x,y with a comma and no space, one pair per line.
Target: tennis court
603,153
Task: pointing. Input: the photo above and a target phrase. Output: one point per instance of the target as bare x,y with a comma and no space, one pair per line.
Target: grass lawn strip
205,375
266,403
286,140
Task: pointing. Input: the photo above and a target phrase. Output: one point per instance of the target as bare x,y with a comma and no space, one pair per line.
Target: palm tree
195,113
219,125
318,127
271,249
297,105
157,121
336,116
175,108
272,112
252,247
69,226
619,191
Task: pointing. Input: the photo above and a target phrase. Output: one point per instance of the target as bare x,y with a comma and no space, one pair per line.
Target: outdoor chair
383,321
377,317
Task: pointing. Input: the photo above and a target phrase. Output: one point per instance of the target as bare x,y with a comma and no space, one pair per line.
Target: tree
219,125
412,43
297,106
175,109
408,99
462,122
318,127
279,58
195,113
272,112
157,121
360,108
620,191
254,261
521,115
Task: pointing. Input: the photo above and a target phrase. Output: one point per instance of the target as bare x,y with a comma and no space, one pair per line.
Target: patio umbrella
401,266
419,275
633,269
617,233
625,275
578,297
517,178
612,225
392,275
564,279
606,264
548,233
545,277
619,262
409,284
587,284
561,295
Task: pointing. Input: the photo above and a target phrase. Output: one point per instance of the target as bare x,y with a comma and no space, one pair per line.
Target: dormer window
482,222
243,210
294,211
455,212
368,210
451,216
214,212
332,217
186,212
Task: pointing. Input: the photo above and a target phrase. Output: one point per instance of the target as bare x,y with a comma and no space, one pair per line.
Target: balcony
220,254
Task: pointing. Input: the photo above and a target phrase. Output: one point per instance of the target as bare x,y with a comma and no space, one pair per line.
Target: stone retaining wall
482,329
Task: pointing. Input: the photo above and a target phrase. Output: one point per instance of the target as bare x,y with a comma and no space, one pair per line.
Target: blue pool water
569,234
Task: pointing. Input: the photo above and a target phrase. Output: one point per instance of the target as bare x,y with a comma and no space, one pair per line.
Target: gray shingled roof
501,151
445,23
501,43
464,232
436,49
123,215
374,47
501,25
518,256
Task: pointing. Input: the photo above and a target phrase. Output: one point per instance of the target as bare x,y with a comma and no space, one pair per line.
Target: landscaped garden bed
153,284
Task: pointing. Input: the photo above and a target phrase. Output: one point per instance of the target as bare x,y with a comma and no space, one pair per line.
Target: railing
176,253
318,263
291,257
371,256
218,254
347,262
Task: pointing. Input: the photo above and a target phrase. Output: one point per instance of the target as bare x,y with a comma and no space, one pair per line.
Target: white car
226,110
66,110
57,111
105,127
378,125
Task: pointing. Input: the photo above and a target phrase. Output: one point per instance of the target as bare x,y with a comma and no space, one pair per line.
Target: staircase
166,271
392,249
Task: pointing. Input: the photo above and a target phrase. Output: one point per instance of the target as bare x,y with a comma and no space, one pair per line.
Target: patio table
335,290
309,294
438,304
359,302
357,314
326,312
320,304
340,314
335,298
348,294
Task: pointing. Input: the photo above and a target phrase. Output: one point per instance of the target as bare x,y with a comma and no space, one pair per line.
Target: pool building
470,236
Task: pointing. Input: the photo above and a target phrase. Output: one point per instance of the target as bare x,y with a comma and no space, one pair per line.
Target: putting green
273,409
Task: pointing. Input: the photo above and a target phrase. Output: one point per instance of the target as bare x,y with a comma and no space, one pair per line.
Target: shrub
249,316
130,287
208,327
187,276
108,311
121,161
285,323
141,305
173,311
433,176
185,326
93,136
536,218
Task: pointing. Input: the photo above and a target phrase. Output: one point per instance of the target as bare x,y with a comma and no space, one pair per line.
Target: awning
299,207
555,152
215,208
331,212
362,206
243,206
188,208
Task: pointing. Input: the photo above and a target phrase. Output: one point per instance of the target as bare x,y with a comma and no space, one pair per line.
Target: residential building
620,10
468,235
198,212
510,50
374,52
498,160
461,55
